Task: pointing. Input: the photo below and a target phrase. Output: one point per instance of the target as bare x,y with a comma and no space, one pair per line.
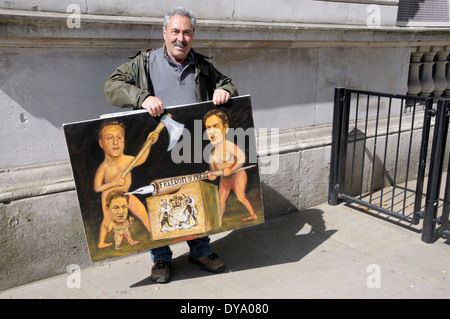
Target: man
172,75
229,158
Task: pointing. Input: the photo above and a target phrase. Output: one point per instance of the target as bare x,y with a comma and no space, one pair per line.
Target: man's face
178,38
215,129
118,209
113,140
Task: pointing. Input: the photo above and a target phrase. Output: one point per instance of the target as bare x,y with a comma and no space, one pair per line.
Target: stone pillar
427,74
414,84
440,80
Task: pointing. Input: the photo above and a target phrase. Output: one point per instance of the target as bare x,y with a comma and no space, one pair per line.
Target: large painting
144,182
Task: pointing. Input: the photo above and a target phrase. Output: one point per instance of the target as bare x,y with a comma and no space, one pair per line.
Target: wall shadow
407,9
59,85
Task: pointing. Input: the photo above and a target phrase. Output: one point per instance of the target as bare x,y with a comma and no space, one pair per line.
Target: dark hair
114,194
108,123
219,113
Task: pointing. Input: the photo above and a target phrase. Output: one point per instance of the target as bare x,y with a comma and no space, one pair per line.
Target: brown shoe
161,271
211,262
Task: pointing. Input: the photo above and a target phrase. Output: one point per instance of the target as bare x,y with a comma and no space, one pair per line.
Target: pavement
326,252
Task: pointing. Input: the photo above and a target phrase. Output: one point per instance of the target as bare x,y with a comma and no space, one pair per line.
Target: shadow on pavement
283,239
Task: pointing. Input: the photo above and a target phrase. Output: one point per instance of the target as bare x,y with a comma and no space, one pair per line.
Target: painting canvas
144,182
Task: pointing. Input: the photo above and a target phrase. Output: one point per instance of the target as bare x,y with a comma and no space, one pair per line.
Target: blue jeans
198,248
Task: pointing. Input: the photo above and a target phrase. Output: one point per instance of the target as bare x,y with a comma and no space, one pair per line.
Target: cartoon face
215,129
113,140
118,209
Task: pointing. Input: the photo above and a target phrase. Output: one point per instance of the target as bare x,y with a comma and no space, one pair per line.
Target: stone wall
288,55
347,12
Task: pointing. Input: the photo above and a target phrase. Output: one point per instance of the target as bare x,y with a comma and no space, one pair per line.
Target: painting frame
195,155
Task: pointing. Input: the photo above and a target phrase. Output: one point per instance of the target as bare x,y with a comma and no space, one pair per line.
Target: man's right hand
153,105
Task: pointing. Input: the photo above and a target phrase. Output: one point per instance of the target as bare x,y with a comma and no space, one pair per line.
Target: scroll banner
136,193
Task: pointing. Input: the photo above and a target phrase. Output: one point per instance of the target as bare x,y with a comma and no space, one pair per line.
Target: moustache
180,44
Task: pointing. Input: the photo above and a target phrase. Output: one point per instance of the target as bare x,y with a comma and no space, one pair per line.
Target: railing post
444,229
334,183
435,174
422,160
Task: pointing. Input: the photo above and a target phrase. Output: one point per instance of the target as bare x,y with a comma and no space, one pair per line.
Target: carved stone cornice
49,29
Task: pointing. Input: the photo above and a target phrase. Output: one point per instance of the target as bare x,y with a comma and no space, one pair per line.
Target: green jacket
128,85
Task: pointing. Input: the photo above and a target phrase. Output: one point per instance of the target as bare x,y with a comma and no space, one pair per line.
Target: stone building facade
288,55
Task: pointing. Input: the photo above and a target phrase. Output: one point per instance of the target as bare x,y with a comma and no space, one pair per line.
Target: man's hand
153,105
221,97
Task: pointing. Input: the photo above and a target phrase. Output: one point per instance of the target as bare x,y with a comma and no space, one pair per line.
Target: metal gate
436,212
381,152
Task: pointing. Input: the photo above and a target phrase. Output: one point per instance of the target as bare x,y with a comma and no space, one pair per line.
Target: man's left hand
221,96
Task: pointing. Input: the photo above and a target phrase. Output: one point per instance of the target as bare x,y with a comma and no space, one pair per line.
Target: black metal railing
437,210
380,154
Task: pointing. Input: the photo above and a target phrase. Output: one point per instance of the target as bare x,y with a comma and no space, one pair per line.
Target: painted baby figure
117,207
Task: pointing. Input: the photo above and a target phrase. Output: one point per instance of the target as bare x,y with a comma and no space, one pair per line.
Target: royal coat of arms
180,212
